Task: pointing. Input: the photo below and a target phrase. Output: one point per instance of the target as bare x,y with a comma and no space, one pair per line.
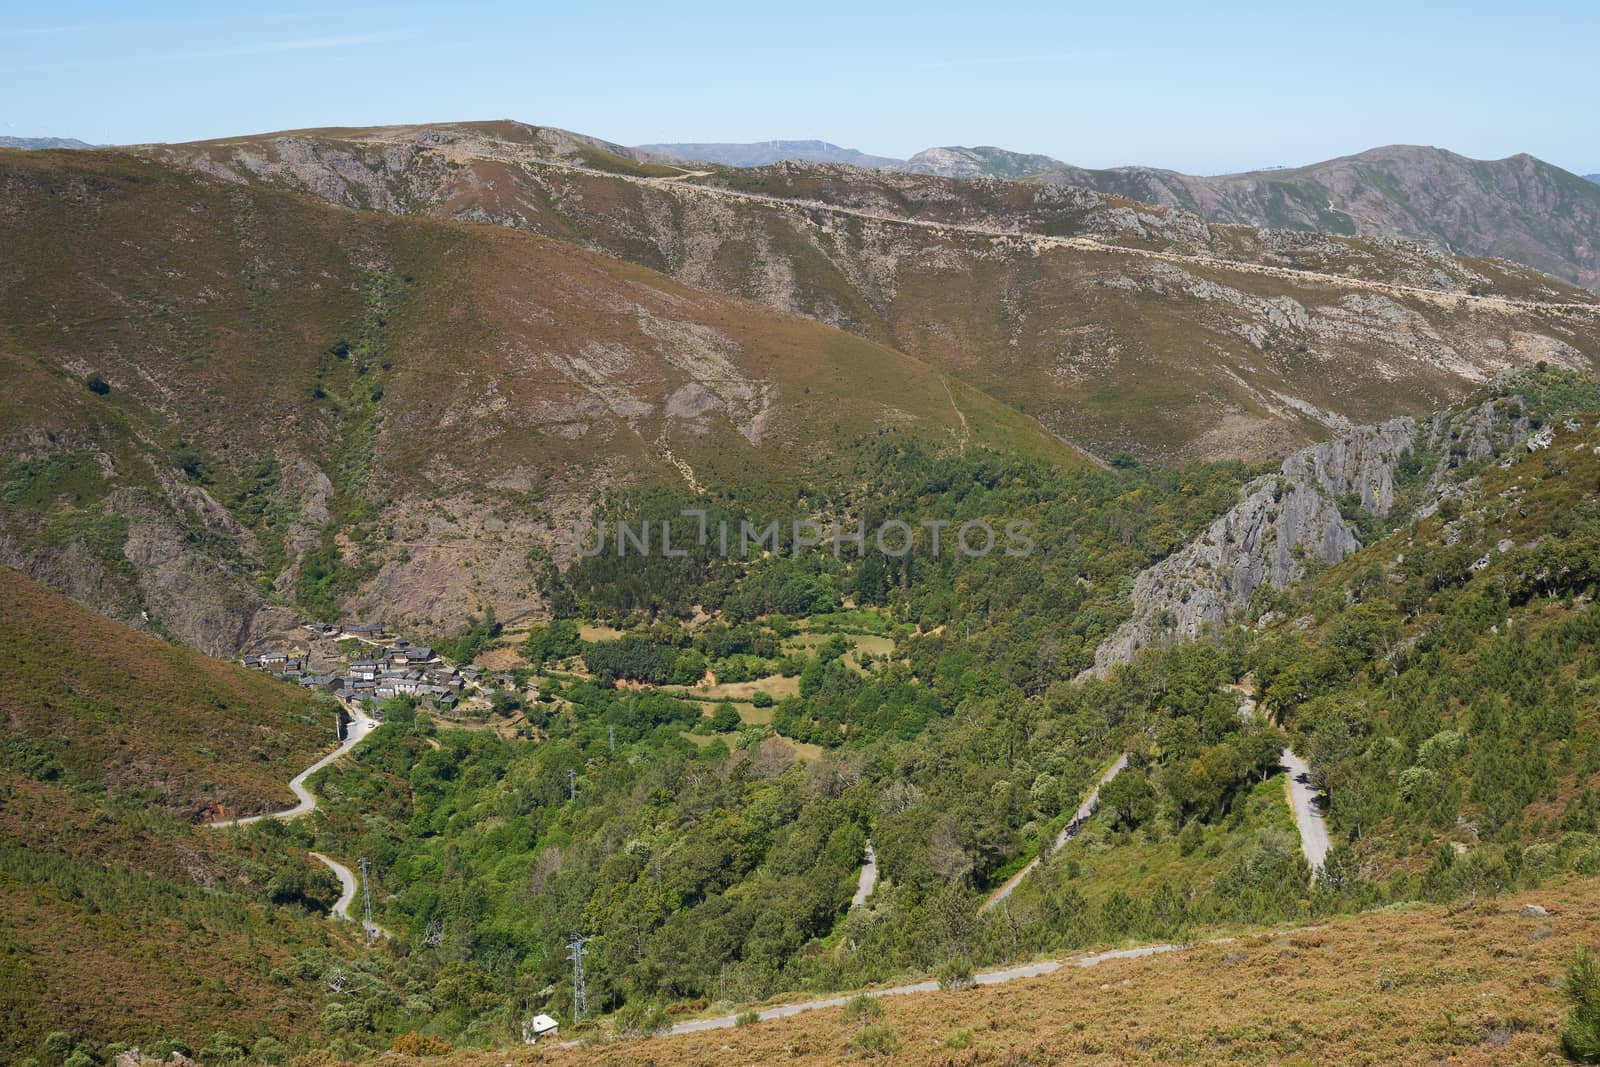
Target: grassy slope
122,919
1412,985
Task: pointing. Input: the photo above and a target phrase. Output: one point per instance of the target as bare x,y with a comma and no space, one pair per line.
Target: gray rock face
1288,521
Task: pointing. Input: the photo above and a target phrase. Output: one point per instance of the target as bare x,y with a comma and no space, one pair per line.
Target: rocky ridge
1303,516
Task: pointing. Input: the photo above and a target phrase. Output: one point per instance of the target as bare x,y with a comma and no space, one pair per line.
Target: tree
555,641
725,718
223,1048
1129,799
1580,1038
97,385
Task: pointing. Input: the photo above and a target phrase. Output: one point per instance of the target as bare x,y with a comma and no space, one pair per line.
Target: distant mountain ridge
1518,208
34,143
764,153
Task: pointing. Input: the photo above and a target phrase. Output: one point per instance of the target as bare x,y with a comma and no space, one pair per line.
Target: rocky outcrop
1301,517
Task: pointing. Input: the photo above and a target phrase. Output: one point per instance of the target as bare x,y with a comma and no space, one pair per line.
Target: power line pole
572,784
611,733
579,1003
366,898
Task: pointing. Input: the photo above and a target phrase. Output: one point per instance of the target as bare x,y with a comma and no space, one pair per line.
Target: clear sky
1199,86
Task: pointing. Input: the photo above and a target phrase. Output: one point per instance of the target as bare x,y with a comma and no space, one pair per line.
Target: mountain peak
979,161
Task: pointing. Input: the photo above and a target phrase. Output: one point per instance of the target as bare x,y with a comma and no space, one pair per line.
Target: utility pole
579,1005
572,784
366,899
611,734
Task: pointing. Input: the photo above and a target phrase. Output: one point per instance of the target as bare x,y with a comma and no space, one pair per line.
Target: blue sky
1201,87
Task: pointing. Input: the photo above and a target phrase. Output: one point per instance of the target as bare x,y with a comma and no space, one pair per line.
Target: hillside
761,153
264,397
124,920
1441,680
1117,326
1519,208
1415,985
94,707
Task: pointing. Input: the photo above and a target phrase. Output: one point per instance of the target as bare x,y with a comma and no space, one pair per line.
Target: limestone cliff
1304,515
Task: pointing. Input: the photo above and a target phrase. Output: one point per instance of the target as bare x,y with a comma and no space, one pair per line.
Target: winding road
1008,974
1067,833
360,727
306,803
1314,842
1302,795
347,879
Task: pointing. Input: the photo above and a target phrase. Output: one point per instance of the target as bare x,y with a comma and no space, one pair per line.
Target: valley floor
1422,984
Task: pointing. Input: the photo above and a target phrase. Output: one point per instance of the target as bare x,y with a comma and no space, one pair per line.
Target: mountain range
1519,208
421,393
42,143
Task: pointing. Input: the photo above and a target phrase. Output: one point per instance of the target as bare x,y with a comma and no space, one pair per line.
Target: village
364,664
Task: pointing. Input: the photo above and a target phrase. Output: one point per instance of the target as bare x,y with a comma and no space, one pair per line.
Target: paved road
1302,795
1008,974
1067,833
360,727
347,878
1307,811
868,880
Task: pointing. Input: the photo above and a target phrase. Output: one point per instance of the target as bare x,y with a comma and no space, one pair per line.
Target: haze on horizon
1226,87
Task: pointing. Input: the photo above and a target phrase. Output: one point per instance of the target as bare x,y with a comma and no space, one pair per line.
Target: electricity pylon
579,1002
366,899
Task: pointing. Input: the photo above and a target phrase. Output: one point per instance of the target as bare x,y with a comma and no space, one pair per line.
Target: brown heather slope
121,917
379,414
92,708
1119,326
1411,985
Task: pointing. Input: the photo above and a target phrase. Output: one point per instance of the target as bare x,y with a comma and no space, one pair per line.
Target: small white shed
539,1027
